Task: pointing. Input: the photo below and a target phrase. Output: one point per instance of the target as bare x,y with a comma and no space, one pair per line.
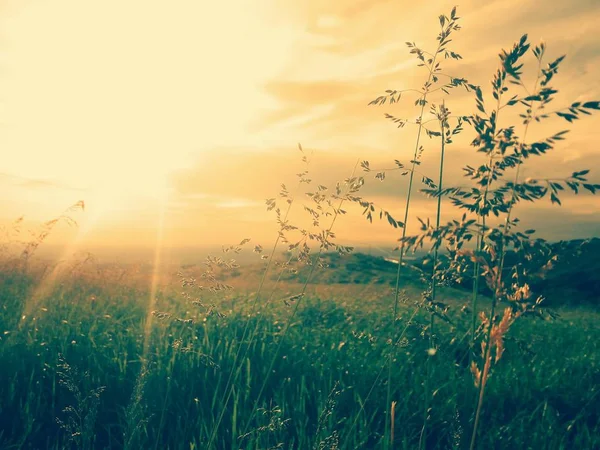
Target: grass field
81,350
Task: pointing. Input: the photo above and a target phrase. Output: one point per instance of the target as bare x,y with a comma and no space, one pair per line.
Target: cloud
204,189
34,183
159,112
365,54
353,51
237,203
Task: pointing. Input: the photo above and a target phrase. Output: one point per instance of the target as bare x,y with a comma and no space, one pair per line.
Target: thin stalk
164,407
520,163
235,370
438,217
362,407
481,238
387,444
293,314
476,269
442,121
486,356
495,293
498,281
477,275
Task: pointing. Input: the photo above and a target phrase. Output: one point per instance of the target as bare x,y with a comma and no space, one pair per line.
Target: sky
174,121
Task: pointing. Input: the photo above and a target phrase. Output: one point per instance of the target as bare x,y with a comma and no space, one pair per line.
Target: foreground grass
543,395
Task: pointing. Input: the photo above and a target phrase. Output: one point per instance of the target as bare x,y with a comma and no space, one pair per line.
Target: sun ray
48,281
156,272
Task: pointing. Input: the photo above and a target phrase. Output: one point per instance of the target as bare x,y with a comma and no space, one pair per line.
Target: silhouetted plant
495,193
79,418
324,204
331,441
136,414
32,245
436,80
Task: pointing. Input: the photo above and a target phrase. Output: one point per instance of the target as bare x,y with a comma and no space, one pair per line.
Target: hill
572,277
355,268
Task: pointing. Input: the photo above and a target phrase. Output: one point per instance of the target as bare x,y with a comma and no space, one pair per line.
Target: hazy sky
195,108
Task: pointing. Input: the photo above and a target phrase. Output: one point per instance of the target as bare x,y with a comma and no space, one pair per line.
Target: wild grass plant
436,81
496,191
317,367
80,417
322,205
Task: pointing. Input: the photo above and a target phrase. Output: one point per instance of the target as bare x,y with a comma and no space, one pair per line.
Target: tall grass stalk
443,122
379,374
534,100
499,89
300,296
442,116
505,152
237,366
388,444
475,293
430,62
483,213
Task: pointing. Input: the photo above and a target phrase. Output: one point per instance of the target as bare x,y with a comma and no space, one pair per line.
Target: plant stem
442,121
292,315
387,444
476,269
498,278
235,370
498,275
362,407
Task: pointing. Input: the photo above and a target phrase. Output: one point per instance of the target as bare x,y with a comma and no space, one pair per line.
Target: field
84,355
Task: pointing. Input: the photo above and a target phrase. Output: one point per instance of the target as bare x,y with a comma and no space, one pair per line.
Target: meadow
83,355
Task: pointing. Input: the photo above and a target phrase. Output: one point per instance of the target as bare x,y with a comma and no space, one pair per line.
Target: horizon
181,256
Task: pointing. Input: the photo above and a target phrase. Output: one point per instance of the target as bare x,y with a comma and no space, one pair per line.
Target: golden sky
192,110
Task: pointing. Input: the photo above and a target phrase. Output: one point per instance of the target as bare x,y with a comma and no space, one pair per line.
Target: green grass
542,395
